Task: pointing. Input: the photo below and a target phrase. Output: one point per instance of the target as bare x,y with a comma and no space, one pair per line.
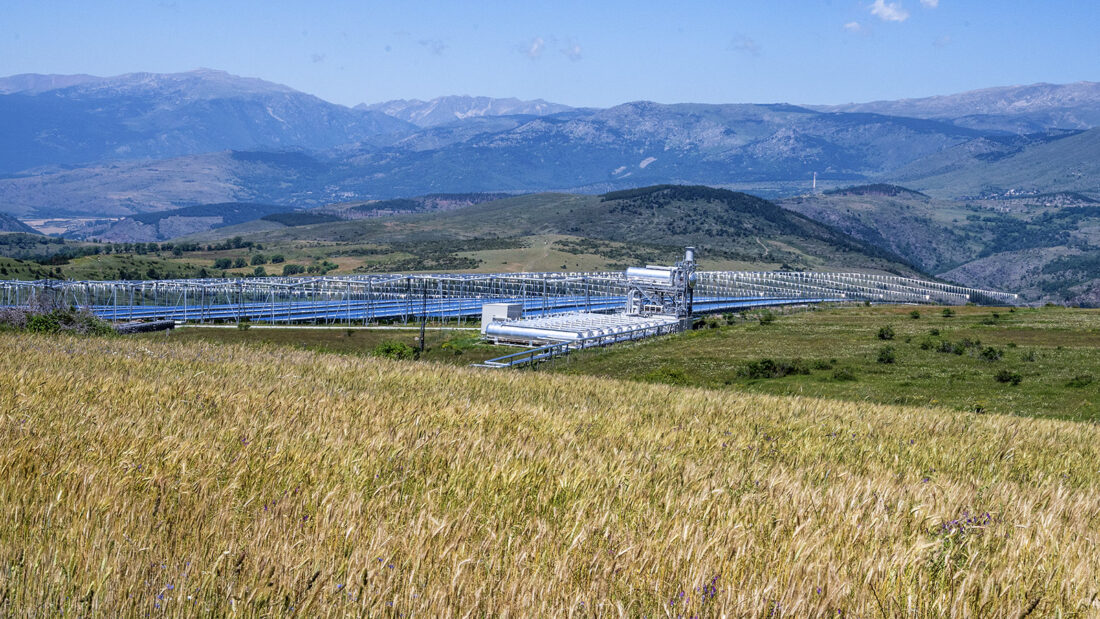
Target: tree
240,263
258,259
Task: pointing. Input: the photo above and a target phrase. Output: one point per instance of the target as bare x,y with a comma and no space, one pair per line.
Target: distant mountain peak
1067,106
452,108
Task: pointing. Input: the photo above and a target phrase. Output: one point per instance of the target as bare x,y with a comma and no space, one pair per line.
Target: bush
259,272
258,259
243,326
43,323
927,344
223,263
769,368
948,312
1029,356
915,315
240,263
395,350
666,375
992,354
292,269
1006,376
934,332
766,317
886,354
886,333
843,374
67,320
277,258
1081,380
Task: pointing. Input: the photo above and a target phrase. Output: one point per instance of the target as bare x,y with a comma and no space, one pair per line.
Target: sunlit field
165,478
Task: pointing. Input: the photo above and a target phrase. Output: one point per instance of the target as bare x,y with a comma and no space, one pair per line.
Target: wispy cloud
434,45
889,11
930,3
535,48
942,41
317,58
572,51
745,45
853,26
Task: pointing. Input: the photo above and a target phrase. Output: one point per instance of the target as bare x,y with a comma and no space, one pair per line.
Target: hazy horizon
574,54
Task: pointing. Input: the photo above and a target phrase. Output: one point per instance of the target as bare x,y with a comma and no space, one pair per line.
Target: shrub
766,317
927,344
1006,376
886,333
258,259
292,269
948,312
1081,380
843,374
886,354
770,368
915,315
666,375
396,350
240,263
43,323
277,258
223,263
259,272
934,332
1029,356
821,364
992,354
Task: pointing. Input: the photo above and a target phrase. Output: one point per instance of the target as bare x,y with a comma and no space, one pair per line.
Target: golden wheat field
157,478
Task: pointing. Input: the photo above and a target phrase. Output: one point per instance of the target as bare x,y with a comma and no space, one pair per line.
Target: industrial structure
458,298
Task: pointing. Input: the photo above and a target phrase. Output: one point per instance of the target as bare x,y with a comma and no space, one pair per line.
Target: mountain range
79,150
90,146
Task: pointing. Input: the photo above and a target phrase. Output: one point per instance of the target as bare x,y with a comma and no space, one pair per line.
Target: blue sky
578,53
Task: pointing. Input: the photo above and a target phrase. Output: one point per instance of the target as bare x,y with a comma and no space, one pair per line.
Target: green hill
726,224
9,223
1037,245
994,169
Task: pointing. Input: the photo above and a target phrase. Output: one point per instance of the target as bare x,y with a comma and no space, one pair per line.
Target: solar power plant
460,297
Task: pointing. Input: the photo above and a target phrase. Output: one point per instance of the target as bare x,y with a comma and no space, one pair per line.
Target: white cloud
572,51
853,26
316,58
534,48
891,11
930,3
745,45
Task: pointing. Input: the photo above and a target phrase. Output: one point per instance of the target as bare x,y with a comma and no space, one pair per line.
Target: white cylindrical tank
651,275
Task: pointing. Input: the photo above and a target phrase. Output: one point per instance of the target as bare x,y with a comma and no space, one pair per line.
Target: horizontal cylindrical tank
651,275
505,330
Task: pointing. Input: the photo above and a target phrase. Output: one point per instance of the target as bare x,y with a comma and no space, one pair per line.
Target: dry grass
141,477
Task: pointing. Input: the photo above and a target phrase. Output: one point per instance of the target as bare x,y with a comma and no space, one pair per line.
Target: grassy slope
1000,244
446,346
1067,164
1066,344
194,479
744,228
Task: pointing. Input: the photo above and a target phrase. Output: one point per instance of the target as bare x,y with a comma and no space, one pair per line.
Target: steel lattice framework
396,297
